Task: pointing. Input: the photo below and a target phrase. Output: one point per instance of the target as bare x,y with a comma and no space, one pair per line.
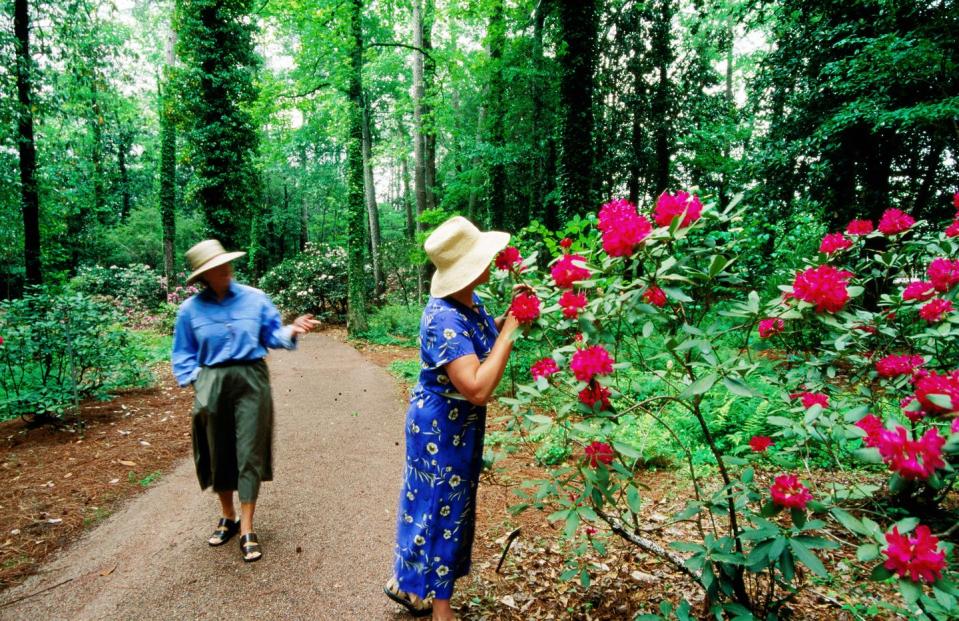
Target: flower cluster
859,227
508,258
834,242
591,361
932,383
810,399
788,492
895,221
770,326
917,557
599,453
892,366
943,274
622,227
569,269
655,296
935,310
544,368
919,291
595,393
572,303
910,459
759,444
525,307
823,286
669,206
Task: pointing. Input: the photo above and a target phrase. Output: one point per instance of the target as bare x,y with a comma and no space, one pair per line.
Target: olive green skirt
233,428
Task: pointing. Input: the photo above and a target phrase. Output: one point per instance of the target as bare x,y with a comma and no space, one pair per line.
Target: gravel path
325,523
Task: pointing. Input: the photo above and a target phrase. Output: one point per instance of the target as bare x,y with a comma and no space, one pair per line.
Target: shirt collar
232,291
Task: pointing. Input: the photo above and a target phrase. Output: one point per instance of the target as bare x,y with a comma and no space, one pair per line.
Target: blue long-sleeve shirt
240,327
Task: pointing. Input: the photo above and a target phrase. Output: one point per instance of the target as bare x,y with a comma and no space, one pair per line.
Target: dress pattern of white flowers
444,454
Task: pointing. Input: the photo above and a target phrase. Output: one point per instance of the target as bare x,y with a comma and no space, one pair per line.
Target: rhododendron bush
654,293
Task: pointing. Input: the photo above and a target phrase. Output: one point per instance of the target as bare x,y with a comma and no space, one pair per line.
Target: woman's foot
250,548
225,529
416,606
442,611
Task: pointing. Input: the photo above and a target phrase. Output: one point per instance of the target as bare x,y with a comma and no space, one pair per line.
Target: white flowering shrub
313,281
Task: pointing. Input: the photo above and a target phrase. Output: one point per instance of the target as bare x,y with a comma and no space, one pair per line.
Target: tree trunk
29,198
408,199
168,165
419,156
476,176
578,24
304,224
429,131
499,219
122,146
541,132
730,116
663,55
356,311
372,209
96,155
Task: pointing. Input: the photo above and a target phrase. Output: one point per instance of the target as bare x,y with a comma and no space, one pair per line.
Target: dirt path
326,522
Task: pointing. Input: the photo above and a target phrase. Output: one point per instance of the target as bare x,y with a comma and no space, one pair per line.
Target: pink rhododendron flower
943,274
834,242
955,200
572,303
912,413
566,243
525,307
932,383
668,206
810,399
891,366
954,427
873,427
544,368
599,453
769,327
787,491
953,229
622,227
655,296
824,286
508,258
911,459
934,310
595,393
917,558
759,444
895,221
918,290
859,227
591,361
568,270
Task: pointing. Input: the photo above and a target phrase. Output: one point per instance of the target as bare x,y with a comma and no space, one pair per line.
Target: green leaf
867,552
911,592
807,558
632,499
880,574
627,450
700,386
943,401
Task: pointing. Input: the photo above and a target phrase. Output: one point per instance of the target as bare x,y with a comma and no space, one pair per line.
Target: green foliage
134,284
58,349
393,324
314,282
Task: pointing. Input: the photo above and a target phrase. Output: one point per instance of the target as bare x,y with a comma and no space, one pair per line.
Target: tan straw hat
206,255
460,252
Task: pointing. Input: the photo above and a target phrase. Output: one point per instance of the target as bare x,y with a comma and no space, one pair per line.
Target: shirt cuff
189,379
285,337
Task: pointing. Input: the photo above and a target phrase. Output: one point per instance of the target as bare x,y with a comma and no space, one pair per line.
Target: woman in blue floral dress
464,353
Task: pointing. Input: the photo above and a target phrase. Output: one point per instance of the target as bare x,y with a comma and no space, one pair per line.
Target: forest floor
326,523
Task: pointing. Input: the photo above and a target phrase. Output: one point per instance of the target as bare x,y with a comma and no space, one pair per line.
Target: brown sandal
415,605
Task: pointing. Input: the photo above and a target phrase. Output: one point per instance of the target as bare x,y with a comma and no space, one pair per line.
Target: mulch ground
54,483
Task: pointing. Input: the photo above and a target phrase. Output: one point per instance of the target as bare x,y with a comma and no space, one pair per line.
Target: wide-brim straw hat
206,255
460,252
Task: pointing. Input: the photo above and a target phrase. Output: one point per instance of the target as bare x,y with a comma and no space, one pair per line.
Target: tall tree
372,209
168,161
356,208
662,53
29,198
496,37
219,63
578,25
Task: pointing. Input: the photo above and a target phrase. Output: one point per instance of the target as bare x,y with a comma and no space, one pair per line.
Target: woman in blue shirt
219,344
463,354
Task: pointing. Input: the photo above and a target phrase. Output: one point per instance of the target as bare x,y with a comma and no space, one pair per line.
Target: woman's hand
304,324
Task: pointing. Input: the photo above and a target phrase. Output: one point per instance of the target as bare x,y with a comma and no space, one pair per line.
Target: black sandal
250,548
225,529
414,605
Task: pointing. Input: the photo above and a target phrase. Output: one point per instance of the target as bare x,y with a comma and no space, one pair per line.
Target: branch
650,546
407,46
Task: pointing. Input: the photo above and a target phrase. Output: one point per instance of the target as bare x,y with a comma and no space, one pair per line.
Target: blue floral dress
444,454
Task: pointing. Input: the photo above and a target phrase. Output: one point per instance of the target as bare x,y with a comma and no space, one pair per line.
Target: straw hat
206,255
460,252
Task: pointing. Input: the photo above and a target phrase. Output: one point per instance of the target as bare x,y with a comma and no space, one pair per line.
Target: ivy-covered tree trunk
429,130
215,44
29,198
168,165
496,36
372,210
123,143
356,320
578,24
419,149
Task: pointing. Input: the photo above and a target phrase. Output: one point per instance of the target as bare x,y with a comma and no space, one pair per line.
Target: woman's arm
185,353
477,380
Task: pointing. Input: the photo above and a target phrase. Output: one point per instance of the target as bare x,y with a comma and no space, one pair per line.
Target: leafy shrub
394,324
313,281
60,348
134,285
